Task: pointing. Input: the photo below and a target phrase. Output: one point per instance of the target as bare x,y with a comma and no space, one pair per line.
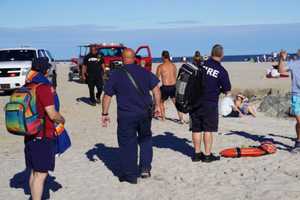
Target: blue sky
44,22
127,14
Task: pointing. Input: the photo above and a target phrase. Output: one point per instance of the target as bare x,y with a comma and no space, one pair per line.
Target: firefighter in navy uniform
92,73
205,118
134,115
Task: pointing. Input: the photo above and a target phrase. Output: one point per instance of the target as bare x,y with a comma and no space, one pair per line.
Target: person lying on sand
167,73
242,103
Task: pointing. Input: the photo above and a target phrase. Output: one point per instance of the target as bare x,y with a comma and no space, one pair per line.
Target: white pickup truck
15,64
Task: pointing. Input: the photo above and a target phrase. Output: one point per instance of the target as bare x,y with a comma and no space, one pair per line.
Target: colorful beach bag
21,115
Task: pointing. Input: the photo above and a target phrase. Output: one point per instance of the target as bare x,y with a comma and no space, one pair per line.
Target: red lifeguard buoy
264,149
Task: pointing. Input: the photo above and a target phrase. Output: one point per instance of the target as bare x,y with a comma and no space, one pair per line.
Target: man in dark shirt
40,148
92,72
197,59
134,115
205,118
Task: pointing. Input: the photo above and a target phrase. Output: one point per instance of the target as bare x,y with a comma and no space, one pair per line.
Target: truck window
113,52
49,55
17,55
42,53
142,53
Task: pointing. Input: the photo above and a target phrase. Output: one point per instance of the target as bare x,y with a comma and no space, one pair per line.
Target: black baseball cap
41,65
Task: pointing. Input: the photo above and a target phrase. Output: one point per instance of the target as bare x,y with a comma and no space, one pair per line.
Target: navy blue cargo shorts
40,155
205,118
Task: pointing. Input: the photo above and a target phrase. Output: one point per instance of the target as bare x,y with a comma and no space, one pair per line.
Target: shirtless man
167,73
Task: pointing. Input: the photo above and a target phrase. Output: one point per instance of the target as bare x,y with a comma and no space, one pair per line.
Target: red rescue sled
264,149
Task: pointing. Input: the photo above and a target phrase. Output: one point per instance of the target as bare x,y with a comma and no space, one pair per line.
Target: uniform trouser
134,131
92,83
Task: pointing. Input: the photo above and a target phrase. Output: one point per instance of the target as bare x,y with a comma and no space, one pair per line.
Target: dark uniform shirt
94,65
130,102
216,80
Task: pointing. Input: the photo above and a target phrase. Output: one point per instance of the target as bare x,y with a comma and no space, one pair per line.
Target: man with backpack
40,148
204,116
132,84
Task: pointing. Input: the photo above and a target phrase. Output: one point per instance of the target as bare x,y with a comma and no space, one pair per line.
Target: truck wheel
8,92
70,76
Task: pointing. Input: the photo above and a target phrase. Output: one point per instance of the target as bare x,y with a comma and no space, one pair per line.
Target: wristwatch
104,114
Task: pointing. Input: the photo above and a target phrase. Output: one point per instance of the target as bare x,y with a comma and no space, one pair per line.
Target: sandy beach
88,170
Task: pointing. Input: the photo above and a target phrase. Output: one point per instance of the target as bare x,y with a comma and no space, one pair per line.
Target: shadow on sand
171,141
263,138
110,155
21,181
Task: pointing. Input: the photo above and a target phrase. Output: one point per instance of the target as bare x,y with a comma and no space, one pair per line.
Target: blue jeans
134,131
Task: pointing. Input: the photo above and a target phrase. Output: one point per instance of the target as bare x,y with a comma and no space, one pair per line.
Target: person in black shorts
167,72
167,92
205,116
93,69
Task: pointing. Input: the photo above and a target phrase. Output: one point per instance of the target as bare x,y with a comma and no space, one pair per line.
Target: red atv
112,55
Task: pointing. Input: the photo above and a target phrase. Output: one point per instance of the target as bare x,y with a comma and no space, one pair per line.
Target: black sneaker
210,158
145,174
198,157
125,179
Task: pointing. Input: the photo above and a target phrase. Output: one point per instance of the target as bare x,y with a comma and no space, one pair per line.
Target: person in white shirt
228,108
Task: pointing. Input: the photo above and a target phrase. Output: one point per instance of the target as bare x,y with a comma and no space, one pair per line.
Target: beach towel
63,141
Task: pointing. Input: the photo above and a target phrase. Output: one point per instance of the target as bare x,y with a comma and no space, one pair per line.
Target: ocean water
230,58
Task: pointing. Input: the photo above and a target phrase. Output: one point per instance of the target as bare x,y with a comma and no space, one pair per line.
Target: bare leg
252,111
208,141
197,142
163,110
180,115
37,186
31,179
298,128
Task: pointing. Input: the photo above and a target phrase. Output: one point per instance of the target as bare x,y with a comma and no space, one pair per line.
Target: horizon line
116,28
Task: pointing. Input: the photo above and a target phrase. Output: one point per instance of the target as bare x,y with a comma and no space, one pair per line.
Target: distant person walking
92,73
132,85
167,72
40,149
205,118
293,67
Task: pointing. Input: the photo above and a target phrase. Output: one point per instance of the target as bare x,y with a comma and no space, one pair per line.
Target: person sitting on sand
228,108
242,103
293,68
167,72
274,73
